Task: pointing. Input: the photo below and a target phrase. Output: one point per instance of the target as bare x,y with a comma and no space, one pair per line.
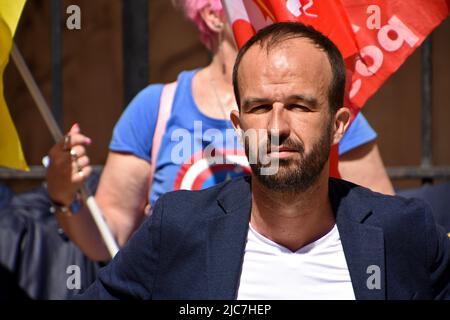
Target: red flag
385,45
374,37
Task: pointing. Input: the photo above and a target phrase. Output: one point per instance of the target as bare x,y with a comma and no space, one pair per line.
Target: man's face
285,93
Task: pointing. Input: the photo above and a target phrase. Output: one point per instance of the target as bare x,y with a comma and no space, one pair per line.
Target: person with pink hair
202,102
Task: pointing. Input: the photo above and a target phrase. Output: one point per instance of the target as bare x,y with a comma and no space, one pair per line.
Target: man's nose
279,122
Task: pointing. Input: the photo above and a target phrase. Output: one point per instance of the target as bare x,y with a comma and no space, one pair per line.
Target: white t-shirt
318,271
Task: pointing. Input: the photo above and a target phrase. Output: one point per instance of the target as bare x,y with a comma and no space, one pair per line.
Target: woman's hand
69,166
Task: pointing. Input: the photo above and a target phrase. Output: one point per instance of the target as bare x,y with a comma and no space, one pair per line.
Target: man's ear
236,121
341,123
213,19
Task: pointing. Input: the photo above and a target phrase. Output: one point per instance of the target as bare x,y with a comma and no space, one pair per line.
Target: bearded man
289,231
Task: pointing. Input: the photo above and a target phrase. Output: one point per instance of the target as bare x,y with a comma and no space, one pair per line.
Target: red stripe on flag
243,31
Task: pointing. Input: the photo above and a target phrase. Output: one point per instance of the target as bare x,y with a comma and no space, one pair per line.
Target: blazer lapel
364,251
363,244
227,236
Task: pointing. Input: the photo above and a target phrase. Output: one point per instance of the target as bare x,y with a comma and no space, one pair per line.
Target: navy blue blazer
192,247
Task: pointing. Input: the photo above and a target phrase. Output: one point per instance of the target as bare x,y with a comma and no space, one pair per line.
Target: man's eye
261,108
299,107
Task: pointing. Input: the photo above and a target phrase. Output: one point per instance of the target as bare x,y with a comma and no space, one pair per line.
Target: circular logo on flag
202,171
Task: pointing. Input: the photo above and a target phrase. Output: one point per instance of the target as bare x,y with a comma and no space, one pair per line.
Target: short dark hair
278,32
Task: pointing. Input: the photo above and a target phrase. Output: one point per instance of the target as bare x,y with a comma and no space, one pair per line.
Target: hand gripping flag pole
57,135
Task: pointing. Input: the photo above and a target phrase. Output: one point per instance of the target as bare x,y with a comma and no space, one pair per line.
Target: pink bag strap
165,109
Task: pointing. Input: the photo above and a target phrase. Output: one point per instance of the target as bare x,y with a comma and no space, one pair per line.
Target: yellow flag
11,154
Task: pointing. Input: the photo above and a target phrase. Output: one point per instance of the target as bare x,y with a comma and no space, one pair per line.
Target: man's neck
292,220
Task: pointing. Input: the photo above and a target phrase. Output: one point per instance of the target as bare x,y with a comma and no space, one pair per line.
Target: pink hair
192,10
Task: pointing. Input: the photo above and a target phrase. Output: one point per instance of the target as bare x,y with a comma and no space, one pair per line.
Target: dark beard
297,175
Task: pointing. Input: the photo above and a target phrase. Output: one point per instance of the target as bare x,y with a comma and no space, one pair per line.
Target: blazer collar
227,236
362,242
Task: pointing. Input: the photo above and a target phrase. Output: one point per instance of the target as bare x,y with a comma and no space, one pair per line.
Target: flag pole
57,135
